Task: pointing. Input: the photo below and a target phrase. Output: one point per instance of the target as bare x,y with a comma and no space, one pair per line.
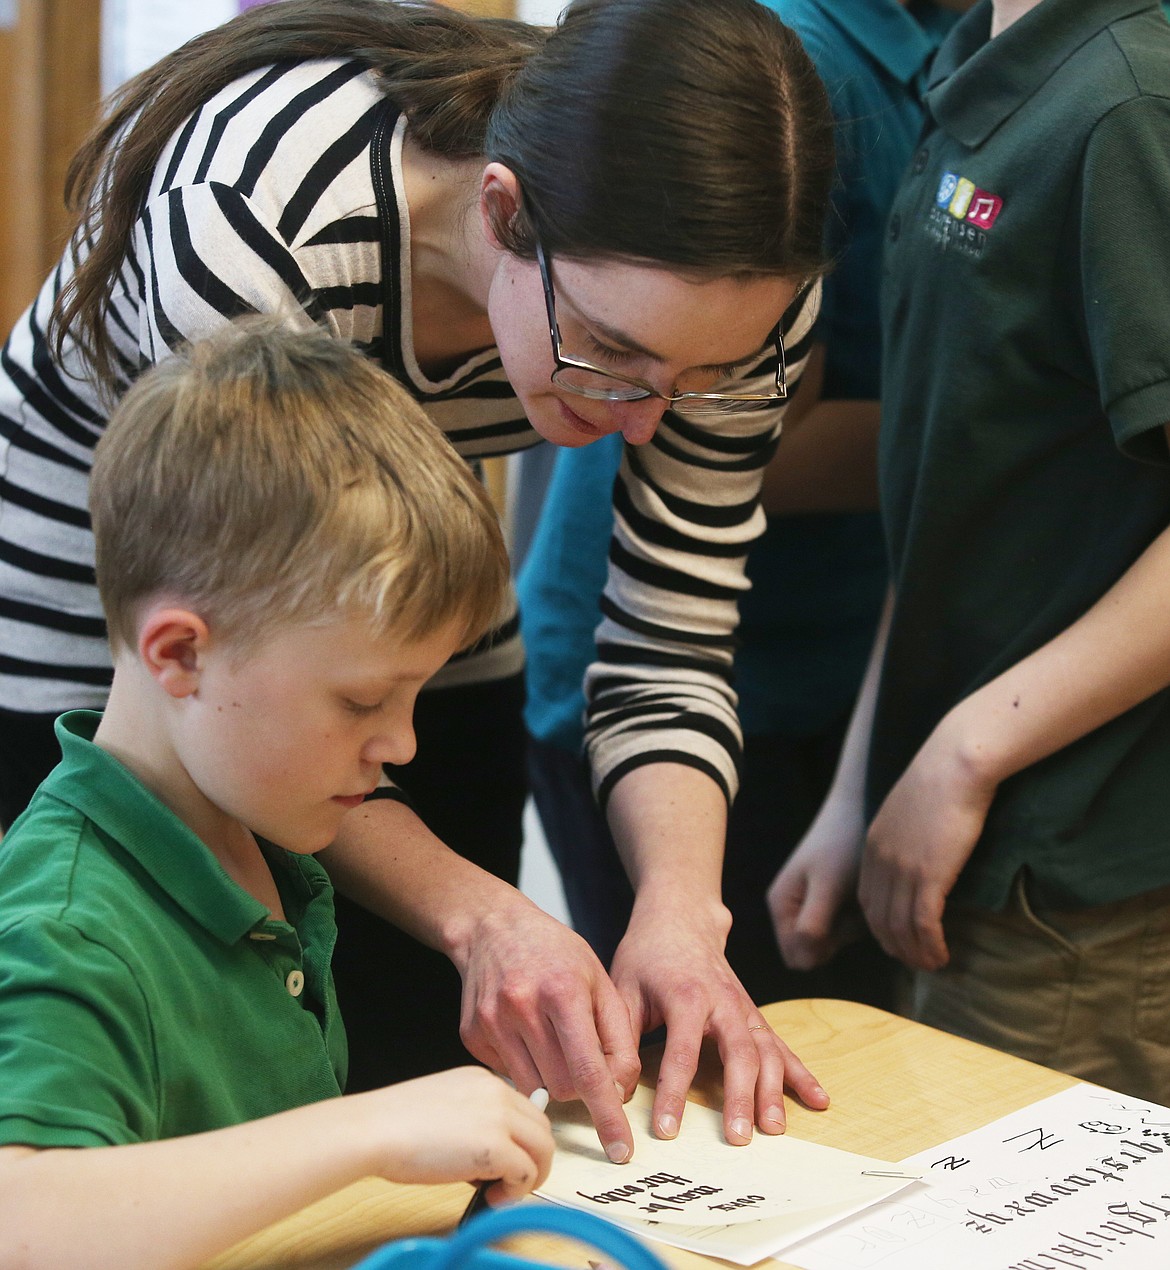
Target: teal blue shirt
143,994
873,56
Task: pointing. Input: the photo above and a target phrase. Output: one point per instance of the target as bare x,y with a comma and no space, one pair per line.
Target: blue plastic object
468,1247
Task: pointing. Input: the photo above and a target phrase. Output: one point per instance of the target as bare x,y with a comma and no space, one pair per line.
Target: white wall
542,12
136,33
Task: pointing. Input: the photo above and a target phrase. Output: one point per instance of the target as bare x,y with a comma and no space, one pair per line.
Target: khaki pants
1085,991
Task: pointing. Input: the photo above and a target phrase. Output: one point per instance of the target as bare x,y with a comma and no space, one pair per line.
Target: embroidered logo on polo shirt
965,201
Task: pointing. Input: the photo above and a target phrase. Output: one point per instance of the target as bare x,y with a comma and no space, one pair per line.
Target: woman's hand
538,1005
671,969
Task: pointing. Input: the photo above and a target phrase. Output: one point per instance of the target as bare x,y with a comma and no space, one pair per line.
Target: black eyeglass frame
638,389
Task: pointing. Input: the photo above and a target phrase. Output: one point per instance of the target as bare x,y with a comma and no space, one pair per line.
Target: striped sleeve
686,509
262,202
207,257
53,646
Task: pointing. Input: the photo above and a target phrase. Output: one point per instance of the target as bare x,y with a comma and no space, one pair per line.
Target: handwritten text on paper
1077,1179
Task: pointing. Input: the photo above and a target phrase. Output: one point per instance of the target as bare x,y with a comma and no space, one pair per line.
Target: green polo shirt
1027,379
143,994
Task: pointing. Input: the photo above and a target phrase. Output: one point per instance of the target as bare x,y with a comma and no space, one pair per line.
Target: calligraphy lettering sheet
1081,1179
697,1192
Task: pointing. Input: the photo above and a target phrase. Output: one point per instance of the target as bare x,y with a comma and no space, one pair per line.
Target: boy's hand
538,1005
813,898
464,1125
918,843
674,972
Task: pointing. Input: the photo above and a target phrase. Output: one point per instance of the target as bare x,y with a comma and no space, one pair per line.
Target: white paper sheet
1080,1179
696,1191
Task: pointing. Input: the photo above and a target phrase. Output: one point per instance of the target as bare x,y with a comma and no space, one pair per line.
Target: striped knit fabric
264,202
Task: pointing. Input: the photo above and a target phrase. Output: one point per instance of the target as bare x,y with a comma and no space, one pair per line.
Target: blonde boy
287,549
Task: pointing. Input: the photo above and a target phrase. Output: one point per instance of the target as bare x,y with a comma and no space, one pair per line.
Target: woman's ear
172,645
499,201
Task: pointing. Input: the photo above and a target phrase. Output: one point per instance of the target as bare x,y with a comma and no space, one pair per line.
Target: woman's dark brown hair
445,69
691,133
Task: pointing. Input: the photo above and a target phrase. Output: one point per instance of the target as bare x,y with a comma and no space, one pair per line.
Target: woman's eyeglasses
576,375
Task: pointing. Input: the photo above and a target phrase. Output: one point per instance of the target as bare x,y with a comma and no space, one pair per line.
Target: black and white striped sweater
265,202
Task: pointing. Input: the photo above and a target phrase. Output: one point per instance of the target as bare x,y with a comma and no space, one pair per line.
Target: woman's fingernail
618,1152
668,1126
742,1128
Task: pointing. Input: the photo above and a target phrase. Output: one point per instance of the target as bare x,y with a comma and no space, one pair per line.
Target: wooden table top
897,1087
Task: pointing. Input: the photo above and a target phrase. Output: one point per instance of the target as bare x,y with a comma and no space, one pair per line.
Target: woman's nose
638,420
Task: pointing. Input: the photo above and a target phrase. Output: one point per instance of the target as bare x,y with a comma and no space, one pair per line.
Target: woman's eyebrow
627,343
740,362
614,334
617,336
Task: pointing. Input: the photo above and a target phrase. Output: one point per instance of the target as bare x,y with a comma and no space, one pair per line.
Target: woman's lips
578,424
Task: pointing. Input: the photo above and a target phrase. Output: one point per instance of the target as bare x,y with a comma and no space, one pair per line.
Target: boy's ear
499,201
172,644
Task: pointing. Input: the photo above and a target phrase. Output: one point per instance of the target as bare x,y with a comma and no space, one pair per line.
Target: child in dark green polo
1018,744
287,549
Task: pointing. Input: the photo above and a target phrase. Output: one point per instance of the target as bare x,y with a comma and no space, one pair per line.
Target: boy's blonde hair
266,476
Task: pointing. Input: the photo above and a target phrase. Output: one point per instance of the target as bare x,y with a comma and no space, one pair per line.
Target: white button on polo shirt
295,983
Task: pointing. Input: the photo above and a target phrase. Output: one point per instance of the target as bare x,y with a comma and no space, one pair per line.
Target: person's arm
183,1200
827,457
669,822
1109,660
813,897
663,739
537,1004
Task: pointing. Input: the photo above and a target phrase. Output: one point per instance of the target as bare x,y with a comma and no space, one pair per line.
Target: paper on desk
696,1191
1080,1179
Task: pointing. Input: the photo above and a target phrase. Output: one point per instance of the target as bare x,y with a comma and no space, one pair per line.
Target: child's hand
813,898
917,845
463,1125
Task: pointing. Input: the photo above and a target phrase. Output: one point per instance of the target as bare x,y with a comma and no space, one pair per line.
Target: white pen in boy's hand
539,1099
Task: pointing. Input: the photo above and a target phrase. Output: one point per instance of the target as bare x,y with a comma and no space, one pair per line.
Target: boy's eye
361,708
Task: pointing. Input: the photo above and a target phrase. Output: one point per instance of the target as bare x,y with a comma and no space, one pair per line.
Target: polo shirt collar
97,785
976,83
887,32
